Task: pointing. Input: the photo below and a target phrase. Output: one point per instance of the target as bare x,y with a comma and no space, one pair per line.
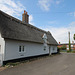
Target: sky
56,16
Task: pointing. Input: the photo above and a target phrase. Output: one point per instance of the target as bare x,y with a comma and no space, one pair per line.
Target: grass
72,51
63,51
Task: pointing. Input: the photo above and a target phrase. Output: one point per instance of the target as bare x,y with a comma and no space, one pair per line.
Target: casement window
0,48
21,48
67,46
71,45
53,48
44,48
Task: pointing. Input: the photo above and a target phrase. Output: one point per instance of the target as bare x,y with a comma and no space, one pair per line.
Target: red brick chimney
59,42
25,17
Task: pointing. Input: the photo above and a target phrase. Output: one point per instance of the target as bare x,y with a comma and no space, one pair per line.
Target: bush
74,51
63,47
68,51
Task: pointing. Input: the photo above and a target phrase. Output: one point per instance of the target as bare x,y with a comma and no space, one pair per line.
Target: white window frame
22,49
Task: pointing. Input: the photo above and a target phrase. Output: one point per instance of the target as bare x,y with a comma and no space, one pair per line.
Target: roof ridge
21,22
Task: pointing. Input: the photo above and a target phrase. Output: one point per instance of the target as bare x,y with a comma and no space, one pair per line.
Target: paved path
63,64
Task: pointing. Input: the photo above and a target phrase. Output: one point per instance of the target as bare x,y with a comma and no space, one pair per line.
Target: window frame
22,49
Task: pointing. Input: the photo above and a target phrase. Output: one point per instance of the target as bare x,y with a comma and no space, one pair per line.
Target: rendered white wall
2,50
51,49
31,49
55,49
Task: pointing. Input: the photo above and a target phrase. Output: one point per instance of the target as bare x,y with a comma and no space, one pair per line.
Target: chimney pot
59,42
25,17
24,11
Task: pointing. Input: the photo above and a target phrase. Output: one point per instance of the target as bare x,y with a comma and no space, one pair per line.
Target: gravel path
63,64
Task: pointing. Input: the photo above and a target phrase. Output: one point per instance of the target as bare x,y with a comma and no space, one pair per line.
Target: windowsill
22,52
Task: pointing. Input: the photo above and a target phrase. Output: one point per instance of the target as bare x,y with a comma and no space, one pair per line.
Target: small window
71,45
67,46
19,48
44,48
23,48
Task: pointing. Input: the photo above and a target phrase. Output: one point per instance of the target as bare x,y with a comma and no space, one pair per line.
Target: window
71,45
44,48
53,48
67,46
0,48
21,48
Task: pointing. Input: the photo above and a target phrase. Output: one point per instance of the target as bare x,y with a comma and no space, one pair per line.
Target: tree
63,47
74,37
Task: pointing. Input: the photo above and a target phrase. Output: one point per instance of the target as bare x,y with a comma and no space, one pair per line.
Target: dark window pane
23,48
19,48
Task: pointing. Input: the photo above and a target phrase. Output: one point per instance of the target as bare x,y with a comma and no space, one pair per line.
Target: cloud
58,2
14,9
11,7
52,22
61,34
31,20
72,24
45,4
72,14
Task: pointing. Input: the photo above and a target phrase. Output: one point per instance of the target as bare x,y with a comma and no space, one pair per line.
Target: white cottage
19,39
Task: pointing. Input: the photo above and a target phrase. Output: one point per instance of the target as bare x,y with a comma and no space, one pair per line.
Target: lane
63,64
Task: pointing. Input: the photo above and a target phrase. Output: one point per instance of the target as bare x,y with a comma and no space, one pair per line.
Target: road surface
63,64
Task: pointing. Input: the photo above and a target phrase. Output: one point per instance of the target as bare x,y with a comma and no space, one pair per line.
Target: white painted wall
54,50
2,50
31,49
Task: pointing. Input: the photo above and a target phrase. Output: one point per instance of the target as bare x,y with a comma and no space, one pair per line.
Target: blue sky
56,16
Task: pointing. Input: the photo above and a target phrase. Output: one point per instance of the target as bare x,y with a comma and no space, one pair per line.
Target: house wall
53,49
2,50
30,49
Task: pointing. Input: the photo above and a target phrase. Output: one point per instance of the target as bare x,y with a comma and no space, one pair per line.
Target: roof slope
13,28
